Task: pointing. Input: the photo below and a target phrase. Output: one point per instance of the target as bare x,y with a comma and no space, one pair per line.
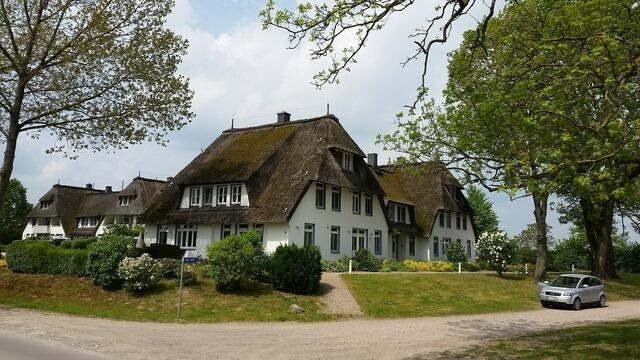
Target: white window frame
194,196
464,221
309,234
236,194
321,195
336,198
356,202
222,194
359,239
207,195
392,212
243,228
436,247
124,200
225,228
377,242
368,204
458,221
335,239
469,247
347,161
412,245
186,236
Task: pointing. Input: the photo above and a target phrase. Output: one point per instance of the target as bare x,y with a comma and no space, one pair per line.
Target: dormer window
222,194
125,200
398,213
207,195
44,204
236,194
346,160
194,196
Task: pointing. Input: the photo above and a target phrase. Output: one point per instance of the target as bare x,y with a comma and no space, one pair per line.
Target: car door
584,288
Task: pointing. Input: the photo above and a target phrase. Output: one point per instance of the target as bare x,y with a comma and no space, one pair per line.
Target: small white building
307,182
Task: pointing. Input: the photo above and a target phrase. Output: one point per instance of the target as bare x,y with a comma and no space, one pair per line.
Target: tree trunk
540,212
9,157
598,225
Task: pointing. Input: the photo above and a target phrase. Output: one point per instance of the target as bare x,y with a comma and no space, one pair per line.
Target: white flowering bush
139,274
497,249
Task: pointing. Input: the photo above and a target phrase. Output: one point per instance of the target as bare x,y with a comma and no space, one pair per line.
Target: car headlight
567,293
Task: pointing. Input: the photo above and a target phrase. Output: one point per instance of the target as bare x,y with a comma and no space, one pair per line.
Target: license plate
552,298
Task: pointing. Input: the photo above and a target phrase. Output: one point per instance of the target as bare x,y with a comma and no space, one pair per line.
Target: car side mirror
546,282
585,285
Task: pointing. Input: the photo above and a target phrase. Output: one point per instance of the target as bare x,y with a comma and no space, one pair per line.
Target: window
448,217
402,214
207,195
186,236
436,247
125,200
441,217
194,196
368,204
358,239
377,242
356,202
236,194
457,220
87,222
335,198
320,195
412,245
392,212
33,221
163,231
243,228
445,245
226,231
222,194
469,247
44,204
260,229
394,243
347,161
335,239
309,234
126,219
464,221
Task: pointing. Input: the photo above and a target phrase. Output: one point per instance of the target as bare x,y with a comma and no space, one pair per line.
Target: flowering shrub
3,263
189,277
139,273
438,266
496,249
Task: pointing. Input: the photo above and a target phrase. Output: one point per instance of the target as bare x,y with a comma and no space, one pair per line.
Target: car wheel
577,304
545,304
603,301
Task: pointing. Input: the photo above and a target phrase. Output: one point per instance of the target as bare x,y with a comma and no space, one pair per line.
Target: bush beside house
42,257
296,269
105,256
236,261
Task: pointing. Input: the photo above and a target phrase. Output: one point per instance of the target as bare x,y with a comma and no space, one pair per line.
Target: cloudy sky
238,71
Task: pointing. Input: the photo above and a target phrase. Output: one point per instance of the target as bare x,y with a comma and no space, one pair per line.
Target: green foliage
572,251
484,218
237,260
80,243
296,270
41,257
390,265
189,276
105,256
470,266
497,250
13,212
334,266
125,230
164,251
366,261
628,258
456,253
139,274
527,238
170,267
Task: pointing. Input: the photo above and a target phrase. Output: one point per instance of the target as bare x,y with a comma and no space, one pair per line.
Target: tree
528,237
94,74
13,212
484,218
497,250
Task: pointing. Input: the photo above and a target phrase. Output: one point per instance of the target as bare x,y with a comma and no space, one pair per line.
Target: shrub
296,270
470,266
170,268
366,261
80,243
235,261
42,257
437,266
164,251
456,253
334,266
628,258
3,263
105,256
189,277
497,249
125,230
389,265
139,274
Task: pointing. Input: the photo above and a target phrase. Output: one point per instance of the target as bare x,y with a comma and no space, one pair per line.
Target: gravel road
414,338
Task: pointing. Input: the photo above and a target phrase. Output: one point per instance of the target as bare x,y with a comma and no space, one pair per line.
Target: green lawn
415,294
201,303
613,340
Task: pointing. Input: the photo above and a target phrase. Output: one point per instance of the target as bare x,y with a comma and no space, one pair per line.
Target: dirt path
337,297
350,339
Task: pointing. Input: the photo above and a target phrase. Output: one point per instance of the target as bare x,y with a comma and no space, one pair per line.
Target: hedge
80,243
296,270
42,257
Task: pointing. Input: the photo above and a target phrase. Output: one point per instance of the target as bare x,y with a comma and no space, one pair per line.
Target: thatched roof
64,201
277,162
423,187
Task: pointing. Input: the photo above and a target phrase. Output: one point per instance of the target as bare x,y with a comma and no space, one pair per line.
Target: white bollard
459,268
526,269
350,266
573,268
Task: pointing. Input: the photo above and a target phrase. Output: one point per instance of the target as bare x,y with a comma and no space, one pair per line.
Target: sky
240,72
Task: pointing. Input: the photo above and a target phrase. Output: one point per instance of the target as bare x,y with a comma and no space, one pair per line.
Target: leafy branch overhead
355,20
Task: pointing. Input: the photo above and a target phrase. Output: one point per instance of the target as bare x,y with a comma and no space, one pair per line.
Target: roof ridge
292,122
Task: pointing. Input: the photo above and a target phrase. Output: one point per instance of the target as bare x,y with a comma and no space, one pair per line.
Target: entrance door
394,247
163,231
358,240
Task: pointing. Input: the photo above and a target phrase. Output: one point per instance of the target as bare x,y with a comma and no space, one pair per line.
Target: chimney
283,117
108,189
372,160
89,186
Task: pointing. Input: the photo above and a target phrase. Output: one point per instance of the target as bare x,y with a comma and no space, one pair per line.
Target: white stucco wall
55,229
454,234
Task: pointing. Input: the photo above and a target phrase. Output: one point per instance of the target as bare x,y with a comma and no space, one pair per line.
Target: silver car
573,290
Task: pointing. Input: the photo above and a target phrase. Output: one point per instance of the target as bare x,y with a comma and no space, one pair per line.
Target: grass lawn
201,303
415,294
614,340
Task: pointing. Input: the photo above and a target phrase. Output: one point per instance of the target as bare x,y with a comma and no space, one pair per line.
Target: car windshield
565,281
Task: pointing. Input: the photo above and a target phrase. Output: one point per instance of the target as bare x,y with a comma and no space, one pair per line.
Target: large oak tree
93,74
